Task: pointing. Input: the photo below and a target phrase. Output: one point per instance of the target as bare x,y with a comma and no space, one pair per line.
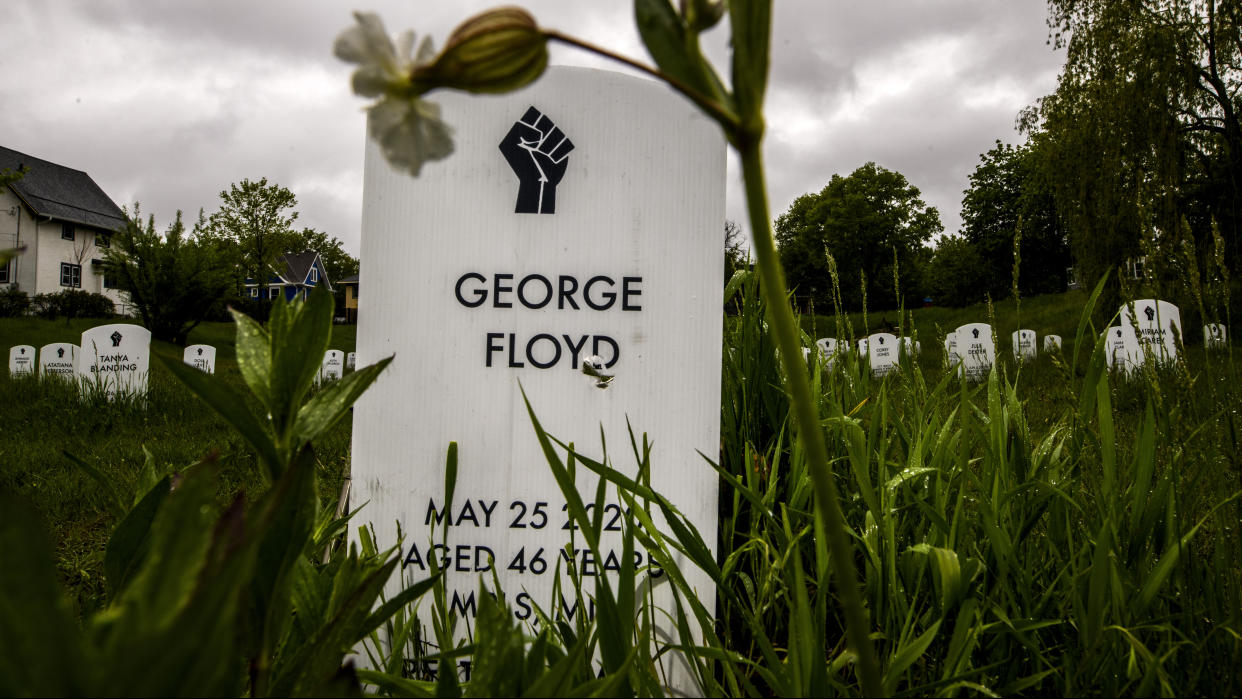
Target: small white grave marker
827,346
1052,343
1158,323
862,347
978,350
22,360
1122,351
333,367
59,359
882,349
201,357
1214,336
351,360
950,350
115,359
1024,345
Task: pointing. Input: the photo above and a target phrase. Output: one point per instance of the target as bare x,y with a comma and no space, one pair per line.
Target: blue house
293,276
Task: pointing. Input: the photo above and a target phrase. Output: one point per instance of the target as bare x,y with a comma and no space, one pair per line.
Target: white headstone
827,346
1052,343
1214,336
1158,325
862,347
333,366
1122,350
978,350
22,360
950,349
351,359
579,216
115,359
882,349
202,357
59,359
910,347
1024,345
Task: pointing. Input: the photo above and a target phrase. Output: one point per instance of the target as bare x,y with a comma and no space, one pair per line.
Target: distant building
293,276
351,297
64,221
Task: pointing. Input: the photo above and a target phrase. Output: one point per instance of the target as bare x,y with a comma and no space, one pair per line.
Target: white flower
408,129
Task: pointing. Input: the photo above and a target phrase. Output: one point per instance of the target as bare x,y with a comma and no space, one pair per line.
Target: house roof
295,267
61,193
351,279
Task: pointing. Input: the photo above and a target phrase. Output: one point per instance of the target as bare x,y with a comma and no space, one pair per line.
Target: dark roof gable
62,193
295,267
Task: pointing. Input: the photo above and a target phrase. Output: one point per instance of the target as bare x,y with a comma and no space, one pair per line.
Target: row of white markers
1149,331
119,358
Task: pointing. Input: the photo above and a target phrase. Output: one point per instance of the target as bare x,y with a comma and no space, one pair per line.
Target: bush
72,303
13,302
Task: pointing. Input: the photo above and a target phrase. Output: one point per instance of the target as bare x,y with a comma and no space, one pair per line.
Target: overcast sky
167,102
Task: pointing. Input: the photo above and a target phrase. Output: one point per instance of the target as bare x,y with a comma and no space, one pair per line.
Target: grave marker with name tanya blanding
115,359
578,219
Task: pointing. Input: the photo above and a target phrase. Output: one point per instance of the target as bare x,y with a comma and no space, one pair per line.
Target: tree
1009,194
736,256
868,221
173,280
1144,126
256,218
957,275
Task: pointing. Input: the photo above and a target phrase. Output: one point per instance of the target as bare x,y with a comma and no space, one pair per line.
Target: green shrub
72,303
13,302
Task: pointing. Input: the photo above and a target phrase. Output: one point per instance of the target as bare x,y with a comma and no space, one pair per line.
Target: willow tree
1143,128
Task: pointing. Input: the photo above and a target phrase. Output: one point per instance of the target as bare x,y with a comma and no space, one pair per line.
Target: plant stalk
806,416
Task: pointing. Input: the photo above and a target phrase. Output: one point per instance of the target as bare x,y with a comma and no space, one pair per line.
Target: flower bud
497,51
701,15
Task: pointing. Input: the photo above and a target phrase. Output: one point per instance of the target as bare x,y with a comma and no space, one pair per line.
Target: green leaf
112,500
44,653
300,335
398,686
907,655
254,357
332,403
751,22
392,606
665,34
232,407
131,539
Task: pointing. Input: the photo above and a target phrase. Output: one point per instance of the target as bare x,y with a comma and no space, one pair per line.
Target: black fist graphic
538,152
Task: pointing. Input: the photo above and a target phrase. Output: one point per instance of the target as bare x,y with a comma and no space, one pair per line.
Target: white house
64,221
293,276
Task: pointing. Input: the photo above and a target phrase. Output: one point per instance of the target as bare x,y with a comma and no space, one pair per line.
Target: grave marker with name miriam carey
578,218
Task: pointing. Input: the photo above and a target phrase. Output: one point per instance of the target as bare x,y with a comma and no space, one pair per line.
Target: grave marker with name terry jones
577,219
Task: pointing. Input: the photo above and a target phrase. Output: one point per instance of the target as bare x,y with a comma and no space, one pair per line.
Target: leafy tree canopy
256,220
1144,127
1009,195
173,280
867,221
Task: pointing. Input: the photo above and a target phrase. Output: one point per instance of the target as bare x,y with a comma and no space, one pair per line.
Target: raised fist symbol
1151,314
538,152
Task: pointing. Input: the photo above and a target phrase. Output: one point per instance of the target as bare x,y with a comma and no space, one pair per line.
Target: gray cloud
167,103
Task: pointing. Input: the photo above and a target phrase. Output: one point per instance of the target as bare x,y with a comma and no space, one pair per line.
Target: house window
314,276
108,281
356,286
103,240
66,231
273,293
254,293
4,272
71,275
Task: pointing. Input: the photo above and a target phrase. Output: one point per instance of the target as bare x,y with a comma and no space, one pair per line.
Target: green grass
1057,530
45,419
